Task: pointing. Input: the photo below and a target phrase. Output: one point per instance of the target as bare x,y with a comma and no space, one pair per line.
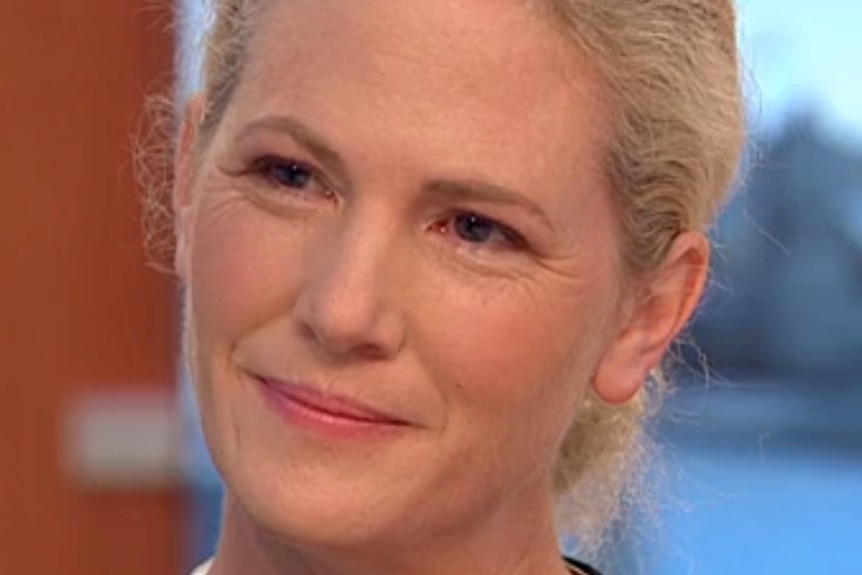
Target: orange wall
79,308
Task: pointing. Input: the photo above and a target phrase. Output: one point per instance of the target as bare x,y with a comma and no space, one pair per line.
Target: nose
348,305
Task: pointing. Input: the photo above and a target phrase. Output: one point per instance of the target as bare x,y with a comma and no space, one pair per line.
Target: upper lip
333,404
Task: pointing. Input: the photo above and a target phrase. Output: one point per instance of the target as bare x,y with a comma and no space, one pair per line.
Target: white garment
203,569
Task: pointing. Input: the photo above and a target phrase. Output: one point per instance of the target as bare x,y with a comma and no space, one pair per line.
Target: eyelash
505,236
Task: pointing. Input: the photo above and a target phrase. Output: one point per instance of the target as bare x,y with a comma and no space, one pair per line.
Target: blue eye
476,229
291,179
473,228
288,174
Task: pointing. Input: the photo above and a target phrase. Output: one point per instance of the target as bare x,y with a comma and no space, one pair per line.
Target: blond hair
671,71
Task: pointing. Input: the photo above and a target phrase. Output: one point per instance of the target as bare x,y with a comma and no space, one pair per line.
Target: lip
305,407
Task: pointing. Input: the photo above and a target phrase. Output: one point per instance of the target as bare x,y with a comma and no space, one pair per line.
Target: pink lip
307,407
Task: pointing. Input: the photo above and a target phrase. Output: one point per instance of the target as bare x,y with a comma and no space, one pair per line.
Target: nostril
371,352
366,327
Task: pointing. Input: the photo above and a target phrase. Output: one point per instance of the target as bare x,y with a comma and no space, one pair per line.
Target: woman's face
401,269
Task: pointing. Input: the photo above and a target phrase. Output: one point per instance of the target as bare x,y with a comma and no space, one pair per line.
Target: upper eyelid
267,160
486,194
302,136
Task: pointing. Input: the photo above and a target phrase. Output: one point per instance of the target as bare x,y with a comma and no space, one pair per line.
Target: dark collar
579,568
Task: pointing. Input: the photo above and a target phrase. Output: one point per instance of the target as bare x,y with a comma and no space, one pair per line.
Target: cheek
241,275
516,360
514,367
239,272
239,278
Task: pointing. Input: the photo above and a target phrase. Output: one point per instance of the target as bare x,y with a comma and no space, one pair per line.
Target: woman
431,252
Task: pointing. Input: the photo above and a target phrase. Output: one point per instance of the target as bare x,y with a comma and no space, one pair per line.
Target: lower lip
301,415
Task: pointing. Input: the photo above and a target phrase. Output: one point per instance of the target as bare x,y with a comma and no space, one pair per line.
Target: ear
658,310
184,178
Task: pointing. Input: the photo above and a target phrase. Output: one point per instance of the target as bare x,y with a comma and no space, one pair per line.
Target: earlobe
184,175
658,312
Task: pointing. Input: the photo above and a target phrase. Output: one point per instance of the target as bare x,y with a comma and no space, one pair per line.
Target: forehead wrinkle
521,40
430,39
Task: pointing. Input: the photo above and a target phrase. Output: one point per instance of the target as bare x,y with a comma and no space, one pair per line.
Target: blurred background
763,456
761,447
87,332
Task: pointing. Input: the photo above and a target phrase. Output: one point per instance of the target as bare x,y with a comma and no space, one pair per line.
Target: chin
310,509
313,491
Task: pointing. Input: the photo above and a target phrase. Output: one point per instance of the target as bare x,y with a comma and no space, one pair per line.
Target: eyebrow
453,189
477,190
304,136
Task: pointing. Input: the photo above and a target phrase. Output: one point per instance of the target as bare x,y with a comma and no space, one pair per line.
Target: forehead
494,75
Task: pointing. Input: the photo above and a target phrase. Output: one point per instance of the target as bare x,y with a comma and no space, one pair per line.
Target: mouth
304,406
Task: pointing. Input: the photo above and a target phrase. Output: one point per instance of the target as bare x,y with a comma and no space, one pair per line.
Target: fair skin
402,274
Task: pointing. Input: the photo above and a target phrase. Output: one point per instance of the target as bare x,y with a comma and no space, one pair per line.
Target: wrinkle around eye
219,208
251,185
570,268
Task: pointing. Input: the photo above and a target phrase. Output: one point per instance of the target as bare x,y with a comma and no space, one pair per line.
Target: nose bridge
348,303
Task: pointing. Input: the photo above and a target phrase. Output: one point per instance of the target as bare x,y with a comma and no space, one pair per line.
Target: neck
525,544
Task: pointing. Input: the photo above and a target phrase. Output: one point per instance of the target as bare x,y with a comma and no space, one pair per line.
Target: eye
292,175
289,174
476,229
